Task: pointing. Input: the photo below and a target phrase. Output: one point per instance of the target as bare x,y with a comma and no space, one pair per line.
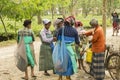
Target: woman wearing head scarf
58,24
70,38
45,58
115,23
28,37
80,30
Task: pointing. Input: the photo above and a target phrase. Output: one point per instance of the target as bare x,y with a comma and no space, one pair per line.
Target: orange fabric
98,41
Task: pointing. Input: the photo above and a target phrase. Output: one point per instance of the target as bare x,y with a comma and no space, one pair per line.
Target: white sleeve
44,38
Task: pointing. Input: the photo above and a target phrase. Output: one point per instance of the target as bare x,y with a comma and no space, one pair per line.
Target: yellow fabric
89,55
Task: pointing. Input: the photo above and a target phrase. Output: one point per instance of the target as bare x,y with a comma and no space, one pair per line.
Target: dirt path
8,70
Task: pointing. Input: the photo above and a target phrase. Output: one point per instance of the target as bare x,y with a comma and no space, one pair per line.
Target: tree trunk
4,25
111,9
104,16
52,10
63,12
39,18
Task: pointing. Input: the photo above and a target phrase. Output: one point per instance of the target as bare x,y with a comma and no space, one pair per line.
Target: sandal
46,74
24,78
34,76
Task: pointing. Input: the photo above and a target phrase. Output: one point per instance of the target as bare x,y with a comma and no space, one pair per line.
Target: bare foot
79,67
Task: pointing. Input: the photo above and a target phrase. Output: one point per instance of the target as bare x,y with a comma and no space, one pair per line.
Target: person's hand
54,39
82,53
83,32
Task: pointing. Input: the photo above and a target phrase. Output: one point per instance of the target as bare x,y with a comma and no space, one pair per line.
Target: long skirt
72,65
30,51
45,57
115,26
97,66
30,57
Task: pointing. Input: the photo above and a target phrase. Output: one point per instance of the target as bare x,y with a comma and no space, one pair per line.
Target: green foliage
14,12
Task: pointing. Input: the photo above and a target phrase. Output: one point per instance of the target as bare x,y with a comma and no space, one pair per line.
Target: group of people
70,29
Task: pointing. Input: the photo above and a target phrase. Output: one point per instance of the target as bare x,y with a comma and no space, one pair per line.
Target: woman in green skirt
28,38
45,58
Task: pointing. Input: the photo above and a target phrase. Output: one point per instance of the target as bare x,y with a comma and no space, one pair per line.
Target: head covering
46,21
78,23
94,22
70,19
57,21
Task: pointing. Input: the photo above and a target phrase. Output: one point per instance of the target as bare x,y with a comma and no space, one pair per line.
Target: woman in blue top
70,38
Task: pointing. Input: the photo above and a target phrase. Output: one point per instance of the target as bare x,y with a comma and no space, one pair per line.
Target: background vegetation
13,13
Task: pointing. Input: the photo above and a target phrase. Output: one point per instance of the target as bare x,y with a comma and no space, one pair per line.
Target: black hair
78,24
61,19
27,22
66,23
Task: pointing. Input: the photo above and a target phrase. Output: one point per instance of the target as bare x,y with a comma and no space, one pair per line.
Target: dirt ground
8,70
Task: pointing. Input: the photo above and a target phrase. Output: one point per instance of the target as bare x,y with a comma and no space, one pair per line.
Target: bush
10,36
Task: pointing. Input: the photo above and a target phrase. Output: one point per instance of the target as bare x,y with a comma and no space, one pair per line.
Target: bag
60,55
20,56
89,55
52,46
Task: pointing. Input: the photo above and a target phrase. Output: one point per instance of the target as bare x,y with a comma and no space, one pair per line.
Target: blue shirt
71,33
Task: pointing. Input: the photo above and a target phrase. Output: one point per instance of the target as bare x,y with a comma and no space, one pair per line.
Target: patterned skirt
45,57
97,66
115,25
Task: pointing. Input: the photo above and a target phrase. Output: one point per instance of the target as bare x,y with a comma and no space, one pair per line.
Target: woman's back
27,34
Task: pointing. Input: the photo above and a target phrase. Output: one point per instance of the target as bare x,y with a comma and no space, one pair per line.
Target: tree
104,16
4,9
63,6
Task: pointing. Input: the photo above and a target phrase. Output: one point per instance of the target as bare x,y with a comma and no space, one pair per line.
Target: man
98,48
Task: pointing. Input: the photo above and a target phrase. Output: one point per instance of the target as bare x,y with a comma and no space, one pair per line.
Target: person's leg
117,31
46,73
68,78
79,64
60,77
113,32
32,72
54,71
26,75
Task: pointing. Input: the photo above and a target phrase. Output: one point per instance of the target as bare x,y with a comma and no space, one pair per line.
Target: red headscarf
78,23
70,19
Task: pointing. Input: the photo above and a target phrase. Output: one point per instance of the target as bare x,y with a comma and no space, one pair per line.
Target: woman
28,38
80,29
115,23
70,37
58,24
45,58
